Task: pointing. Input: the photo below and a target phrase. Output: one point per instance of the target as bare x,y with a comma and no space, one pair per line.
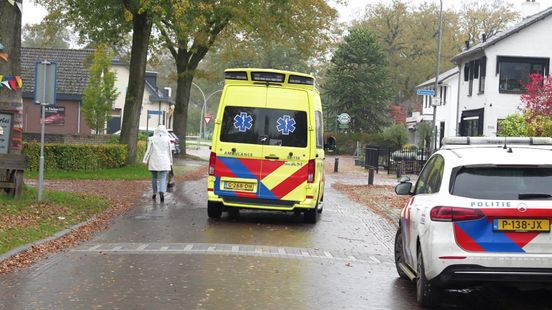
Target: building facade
493,73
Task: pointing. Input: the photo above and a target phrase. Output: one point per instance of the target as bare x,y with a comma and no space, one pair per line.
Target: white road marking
233,249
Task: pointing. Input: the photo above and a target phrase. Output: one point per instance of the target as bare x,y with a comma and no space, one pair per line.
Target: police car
479,213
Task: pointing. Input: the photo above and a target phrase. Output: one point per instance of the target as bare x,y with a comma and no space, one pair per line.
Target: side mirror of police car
404,187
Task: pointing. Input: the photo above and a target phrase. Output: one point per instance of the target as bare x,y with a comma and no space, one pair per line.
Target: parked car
479,213
175,142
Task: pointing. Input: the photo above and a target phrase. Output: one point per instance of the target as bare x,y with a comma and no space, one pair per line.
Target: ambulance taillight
212,160
310,171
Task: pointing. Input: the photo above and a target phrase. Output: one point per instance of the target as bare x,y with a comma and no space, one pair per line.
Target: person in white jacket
159,159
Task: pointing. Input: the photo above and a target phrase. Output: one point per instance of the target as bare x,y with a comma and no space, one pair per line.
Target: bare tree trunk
141,31
182,99
10,100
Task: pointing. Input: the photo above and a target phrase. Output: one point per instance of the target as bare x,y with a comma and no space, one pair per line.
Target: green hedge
74,157
140,151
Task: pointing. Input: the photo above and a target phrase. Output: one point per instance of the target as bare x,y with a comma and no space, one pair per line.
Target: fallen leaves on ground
381,199
122,196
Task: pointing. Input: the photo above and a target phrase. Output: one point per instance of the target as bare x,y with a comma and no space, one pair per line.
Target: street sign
45,83
425,92
153,112
344,118
207,118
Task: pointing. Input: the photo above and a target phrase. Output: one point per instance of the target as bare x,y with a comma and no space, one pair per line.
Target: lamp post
437,99
203,108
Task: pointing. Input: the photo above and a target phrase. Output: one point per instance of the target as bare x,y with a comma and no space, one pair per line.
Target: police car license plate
534,225
239,186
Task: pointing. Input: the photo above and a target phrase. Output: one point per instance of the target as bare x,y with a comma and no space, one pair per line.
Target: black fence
405,161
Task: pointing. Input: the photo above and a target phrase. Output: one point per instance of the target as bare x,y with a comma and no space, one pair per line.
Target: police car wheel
399,254
426,294
214,209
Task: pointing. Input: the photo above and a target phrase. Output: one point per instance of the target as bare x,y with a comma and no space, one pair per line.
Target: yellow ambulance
268,149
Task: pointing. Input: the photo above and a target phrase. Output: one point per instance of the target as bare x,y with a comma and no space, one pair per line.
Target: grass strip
26,220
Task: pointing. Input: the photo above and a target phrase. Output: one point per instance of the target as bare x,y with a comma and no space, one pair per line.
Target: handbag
170,182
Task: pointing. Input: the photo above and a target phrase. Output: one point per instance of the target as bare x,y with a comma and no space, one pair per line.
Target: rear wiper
533,196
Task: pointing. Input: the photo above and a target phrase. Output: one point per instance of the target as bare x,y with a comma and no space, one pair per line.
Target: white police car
480,213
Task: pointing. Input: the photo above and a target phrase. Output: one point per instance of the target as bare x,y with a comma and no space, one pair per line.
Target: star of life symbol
286,124
243,122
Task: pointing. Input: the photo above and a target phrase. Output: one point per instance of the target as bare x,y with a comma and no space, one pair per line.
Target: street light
438,60
203,109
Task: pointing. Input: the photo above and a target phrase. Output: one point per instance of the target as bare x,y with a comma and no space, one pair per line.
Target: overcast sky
353,10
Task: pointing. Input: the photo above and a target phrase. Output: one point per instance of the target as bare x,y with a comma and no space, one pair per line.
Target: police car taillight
454,214
310,171
212,160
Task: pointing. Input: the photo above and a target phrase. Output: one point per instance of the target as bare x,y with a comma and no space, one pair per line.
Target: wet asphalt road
171,256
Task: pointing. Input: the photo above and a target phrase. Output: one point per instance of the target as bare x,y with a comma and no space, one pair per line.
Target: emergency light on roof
496,141
297,79
268,77
235,75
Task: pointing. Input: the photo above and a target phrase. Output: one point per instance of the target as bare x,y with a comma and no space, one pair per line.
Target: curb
57,235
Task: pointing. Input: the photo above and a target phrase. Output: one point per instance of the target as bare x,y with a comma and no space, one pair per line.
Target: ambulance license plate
239,186
533,225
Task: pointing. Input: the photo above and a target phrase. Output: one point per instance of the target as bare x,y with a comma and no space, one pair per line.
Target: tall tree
358,83
110,21
11,102
484,17
191,29
408,34
49,33
100,93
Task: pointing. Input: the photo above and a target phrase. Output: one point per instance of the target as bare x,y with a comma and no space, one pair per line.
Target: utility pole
436,98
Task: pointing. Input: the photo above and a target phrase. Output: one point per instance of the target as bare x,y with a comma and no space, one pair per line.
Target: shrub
346,142
140,151
395,136
74,157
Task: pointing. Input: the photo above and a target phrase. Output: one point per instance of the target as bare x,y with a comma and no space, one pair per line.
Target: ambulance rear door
239,148
286,145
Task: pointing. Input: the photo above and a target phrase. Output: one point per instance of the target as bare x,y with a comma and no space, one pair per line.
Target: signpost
45,95
425,92
149,114
343,119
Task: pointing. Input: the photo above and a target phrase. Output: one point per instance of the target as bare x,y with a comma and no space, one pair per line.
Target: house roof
442,77
527,22
72,74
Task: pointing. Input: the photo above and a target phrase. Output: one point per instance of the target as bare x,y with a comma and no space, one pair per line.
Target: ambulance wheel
233,212
214,209
426,294
311,215
321,205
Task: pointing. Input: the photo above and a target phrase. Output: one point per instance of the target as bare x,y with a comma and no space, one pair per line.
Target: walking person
159,159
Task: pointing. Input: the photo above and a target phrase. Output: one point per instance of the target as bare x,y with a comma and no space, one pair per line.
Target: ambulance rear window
264,126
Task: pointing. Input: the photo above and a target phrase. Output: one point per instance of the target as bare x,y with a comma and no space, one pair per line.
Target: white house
156,104
446,116
493,73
